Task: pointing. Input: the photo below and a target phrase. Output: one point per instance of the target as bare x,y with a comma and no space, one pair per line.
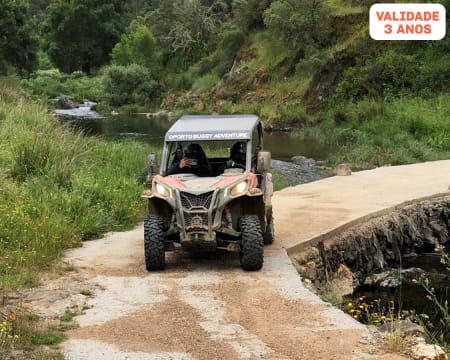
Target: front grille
195,220
195,209
190,201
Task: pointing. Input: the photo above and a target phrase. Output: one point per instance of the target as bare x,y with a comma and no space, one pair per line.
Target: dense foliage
293,62
18,44
81,33
131,84
49,84
138,47
297,22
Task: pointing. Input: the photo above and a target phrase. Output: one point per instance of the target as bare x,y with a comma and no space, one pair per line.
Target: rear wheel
252,248
154,243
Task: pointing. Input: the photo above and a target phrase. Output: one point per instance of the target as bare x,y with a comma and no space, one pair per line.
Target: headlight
162,190
240,188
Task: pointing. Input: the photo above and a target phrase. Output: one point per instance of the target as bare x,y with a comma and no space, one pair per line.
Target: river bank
58,188
378,243
366,133
377,272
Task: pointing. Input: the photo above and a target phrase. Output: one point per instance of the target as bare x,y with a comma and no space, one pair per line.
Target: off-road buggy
228,209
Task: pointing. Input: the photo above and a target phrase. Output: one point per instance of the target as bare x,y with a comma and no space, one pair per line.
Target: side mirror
264,159
152,168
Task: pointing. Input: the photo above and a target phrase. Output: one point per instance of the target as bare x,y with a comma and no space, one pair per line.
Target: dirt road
208,308
204,309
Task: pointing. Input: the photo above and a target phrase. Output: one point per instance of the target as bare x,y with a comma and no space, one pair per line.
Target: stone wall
378,243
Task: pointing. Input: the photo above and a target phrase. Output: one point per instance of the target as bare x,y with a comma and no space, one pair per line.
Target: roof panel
212,127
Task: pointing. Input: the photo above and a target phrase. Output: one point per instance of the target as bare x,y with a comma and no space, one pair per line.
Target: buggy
229,207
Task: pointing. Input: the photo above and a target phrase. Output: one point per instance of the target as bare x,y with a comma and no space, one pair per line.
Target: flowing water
283,145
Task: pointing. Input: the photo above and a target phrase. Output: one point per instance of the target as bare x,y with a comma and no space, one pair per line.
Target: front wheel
252,247
154,243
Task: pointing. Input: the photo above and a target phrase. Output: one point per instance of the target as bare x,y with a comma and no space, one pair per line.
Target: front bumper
198,216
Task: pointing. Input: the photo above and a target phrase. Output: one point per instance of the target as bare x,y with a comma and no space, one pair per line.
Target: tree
18,45
140,48
82,33
297,21
38,7
249,13
185,27
130,84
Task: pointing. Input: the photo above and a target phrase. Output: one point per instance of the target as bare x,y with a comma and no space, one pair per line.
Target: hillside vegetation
307,65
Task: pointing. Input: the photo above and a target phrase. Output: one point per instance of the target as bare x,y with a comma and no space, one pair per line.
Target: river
283,145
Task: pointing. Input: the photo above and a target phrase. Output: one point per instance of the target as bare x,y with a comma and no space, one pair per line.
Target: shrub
178,82
184,28
140,48
48,84
249,13
312,61
229,41
206,82
44,62
130,84
297,22
434,74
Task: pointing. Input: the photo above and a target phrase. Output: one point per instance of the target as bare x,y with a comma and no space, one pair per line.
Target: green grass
330,294
342,7
46,337
205,82
58,188
48,84
22,336
374,133
279,181
68,316
86,292
270,51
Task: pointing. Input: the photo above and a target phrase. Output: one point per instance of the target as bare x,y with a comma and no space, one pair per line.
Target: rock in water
394,278
304,161
64,102
299,174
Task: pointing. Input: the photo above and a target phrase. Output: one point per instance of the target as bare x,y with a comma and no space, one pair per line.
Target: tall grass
47,84
206,82
58,187
375,132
